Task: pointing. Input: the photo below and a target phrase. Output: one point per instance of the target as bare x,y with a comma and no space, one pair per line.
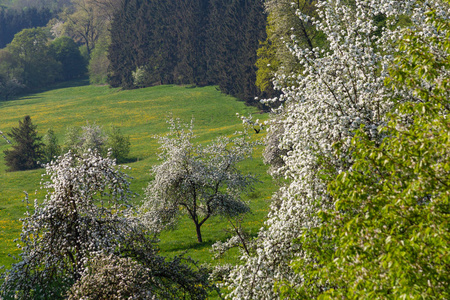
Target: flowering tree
338,90
86,214
83,211
389,232
201,181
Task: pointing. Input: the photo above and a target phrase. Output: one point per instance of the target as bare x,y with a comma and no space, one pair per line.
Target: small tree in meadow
93,136
27,147
118,143
84,211
51,148
201,181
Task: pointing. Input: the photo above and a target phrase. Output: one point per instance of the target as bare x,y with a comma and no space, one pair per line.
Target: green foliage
267,64
283,24
389,234
71,139
13,21
118,144
27,147
197,42
30,47
9,87
66,51
51,149
99,63
10,75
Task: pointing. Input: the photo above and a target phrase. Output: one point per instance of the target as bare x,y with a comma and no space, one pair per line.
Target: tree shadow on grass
31,94
128,160
62,85
176,246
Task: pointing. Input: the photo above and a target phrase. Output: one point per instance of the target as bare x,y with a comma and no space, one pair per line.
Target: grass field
140,114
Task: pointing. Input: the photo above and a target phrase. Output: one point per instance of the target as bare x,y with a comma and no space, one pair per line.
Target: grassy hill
140,114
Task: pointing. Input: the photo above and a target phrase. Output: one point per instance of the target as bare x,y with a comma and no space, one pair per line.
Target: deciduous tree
339,89
66,51
32,53
389,231
201,181
87,224
51,149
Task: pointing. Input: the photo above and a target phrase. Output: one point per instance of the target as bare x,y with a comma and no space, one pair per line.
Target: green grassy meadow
140,114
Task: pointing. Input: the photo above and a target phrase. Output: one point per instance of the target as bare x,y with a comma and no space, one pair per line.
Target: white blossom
201,181
339,88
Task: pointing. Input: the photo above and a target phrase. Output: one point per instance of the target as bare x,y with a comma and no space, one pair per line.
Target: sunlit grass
140,114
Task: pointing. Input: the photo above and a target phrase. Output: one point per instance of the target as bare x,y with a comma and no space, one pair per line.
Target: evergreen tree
13,21
27,147
187,42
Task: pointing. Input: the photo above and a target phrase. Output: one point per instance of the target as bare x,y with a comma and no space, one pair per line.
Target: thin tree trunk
199,233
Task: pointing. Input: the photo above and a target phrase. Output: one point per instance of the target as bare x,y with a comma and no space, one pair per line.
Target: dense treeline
31,61
13,21
198,42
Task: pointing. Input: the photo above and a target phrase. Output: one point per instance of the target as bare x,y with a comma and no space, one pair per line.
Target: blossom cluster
340,88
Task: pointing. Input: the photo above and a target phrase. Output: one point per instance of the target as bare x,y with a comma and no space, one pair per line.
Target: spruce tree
27,147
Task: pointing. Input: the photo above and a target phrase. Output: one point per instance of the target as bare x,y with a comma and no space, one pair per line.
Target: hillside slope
140,114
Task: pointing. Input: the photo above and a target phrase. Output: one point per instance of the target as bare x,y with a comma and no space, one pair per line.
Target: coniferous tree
27,147
13,21
187,42
121,50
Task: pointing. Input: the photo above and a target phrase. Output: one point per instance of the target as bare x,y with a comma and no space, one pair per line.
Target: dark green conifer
26,150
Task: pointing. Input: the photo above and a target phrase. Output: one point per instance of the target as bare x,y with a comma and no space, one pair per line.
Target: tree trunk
199,233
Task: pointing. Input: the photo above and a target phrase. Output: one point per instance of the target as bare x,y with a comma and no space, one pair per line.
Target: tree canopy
86,224
201,181
389,231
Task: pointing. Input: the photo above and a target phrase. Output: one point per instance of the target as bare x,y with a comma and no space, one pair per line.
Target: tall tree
31,50
13,21
187,42
85,23
389,232
26,149
66,51
340,88
283,23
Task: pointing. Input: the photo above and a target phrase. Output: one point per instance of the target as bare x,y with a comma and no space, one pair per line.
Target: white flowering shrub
201,181
92,137
142,275
86,213
339,89
109,277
